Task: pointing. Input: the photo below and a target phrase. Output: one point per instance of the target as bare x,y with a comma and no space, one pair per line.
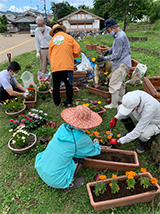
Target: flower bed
152,86
114,162
116,191
99,91
32,120
14,107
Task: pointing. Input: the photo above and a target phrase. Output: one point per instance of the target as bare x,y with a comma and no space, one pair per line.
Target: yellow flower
4,103
17,127
87,104
102,177
154,180
143,170
13,106
89,80
99,102
118,188
93,59
114,176
106,73
16,99
118,136
23,141
105,83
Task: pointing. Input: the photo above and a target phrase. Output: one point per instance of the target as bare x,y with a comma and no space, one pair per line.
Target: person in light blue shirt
9,87
56,165
121,61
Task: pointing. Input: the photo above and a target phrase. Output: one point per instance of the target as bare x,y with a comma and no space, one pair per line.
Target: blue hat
108,23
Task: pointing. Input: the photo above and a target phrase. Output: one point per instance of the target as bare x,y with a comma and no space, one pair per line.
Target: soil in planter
116,157
31,139
123,192
10,111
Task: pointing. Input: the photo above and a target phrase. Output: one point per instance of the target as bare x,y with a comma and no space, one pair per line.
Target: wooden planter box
152,86
79,74
63,92
99,112
91,46
98,91
102,48
134,64
29,103
123,201
110,165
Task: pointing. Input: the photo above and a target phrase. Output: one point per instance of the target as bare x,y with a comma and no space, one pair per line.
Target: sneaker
64,103
141,147
76,183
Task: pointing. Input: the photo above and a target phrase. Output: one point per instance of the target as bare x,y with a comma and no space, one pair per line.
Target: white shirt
147,113
42,40
6,81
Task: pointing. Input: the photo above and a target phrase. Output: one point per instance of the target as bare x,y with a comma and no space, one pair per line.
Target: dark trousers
4,94
57,78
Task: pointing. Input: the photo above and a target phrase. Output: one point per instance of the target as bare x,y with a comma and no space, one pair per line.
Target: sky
23,5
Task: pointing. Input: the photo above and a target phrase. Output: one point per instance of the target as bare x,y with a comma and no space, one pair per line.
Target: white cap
129,102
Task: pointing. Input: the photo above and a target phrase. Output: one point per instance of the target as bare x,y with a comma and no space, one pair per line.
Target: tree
3,23
155,14
101,7
129,10
62,9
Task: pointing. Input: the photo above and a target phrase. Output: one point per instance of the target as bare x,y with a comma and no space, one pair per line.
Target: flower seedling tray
122,198
97,163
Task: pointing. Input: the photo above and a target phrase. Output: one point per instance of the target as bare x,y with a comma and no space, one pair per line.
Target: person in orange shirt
62,51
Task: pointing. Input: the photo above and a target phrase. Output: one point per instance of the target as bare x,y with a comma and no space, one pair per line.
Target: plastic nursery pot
112,165
98,91
31,103
15,114
22,150
123,201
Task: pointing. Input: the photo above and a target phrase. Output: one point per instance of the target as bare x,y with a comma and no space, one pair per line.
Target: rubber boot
114,102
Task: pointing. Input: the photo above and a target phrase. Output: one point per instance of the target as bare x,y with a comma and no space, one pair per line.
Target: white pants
151,130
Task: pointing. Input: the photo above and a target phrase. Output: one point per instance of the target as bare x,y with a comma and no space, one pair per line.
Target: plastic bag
137,75
27,79
85,65
44,78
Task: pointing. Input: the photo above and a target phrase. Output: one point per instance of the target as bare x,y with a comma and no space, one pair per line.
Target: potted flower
44,88
14,107
101,91
113,160
21,140
96,108
123,190
32,120
31,98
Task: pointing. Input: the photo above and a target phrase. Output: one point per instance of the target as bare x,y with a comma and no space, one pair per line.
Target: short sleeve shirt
6,81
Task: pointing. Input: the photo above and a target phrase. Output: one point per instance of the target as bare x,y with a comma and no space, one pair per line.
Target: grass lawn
22,190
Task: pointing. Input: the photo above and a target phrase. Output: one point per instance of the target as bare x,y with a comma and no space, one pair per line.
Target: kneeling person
9,87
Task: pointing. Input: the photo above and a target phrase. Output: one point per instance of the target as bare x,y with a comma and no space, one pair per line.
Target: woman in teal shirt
55,165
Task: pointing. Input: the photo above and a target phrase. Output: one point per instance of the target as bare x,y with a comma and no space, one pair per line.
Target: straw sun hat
56,26
81,117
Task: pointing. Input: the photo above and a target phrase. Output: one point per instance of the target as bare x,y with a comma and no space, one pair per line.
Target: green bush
156,25
2,28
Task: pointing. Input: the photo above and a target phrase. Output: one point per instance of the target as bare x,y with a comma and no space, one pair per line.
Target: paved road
16,45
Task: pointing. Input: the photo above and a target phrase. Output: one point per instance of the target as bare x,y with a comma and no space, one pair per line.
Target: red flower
30,120
27,118
24,116
21,115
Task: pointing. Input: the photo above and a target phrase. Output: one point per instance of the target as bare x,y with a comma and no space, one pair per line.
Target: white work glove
26,93
95,140
38,55
26,90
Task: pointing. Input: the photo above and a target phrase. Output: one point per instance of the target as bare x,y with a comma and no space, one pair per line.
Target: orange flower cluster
28,95
108,132
30,88
110,184
102,177
95,133
109,137
154,180
143,170
114,176
88,132
130,174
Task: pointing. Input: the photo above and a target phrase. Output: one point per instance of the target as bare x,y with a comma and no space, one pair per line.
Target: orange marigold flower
130,176
110,184
92,134
29,90
87,132
143,170
100,141
114,176
118,188
154,180
109,137
96,133
108,132
102,177
132,173
127,173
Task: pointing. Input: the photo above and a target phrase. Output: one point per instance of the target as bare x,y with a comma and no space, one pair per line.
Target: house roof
24,19
80,10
